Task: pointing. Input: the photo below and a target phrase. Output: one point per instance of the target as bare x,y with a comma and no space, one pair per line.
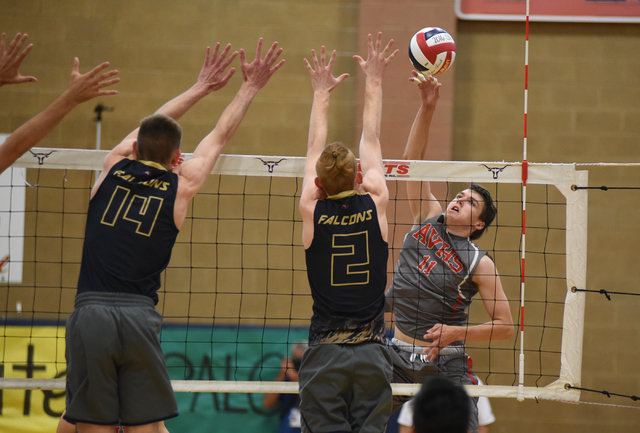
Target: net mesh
235,297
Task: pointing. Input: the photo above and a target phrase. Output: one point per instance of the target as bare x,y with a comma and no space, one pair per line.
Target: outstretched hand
11,58
322,78
212,75
88,86
258,72
377,58
429,88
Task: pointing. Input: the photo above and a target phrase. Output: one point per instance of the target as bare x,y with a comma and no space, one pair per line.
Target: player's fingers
25,52
342,77
229,75
207,56
213,57
274,58
224,52
388,46
107,92
92,73
14,42
395,53
276,67
75,69
108,83
378,42
230,59
307,65
243,57
259,48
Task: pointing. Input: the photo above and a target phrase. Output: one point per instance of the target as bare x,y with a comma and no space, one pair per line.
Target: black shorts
116,373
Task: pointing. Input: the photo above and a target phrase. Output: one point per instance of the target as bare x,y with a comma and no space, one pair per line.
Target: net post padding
563,176
574,306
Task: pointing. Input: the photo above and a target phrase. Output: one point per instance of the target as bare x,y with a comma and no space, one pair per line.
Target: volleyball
432,50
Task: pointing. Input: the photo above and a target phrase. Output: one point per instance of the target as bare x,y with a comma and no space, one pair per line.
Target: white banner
12,204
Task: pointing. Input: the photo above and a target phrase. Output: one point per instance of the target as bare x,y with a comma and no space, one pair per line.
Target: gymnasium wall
583,91
584,88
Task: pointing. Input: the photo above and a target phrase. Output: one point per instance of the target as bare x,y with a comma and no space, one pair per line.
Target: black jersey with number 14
130,230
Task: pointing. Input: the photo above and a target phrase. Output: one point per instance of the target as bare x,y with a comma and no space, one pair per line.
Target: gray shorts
116,374
409,367
345,387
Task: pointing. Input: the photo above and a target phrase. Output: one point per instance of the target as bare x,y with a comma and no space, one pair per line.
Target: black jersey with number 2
347,269
130,230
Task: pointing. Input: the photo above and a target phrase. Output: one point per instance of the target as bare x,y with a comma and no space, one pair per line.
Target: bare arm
373,180
213,76
11,59
500,327
421,201
81,88
196,171
323,82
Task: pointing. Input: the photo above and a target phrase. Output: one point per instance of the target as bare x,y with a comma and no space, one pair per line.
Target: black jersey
130,230
347,269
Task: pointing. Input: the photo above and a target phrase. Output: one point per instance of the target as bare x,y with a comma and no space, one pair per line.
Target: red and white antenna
525,175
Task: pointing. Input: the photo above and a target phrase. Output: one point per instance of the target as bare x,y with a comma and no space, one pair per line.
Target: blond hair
336,168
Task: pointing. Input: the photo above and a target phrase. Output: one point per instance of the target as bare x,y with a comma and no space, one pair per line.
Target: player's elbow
507,331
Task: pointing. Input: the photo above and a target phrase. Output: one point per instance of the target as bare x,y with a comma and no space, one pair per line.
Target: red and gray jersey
432,280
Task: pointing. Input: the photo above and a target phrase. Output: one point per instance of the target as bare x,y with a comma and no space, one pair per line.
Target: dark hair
488,213
336,168
158,137
441,406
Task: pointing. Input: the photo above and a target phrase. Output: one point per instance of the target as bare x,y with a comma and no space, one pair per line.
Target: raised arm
255,76
213,76
81,88
373,180
11,59
422,202
323,82
500,325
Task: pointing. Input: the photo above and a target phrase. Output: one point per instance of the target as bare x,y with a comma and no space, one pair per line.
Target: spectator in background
289,403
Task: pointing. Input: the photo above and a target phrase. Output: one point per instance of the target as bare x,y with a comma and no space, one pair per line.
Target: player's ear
359,177
479,225
316,181
175,157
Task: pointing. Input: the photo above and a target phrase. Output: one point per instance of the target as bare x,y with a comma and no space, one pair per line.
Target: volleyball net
235,297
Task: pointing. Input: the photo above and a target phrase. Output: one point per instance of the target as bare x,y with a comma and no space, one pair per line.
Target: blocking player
116,370
82,88
345,374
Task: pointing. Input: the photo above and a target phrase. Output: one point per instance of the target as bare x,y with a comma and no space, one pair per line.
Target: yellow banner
36,352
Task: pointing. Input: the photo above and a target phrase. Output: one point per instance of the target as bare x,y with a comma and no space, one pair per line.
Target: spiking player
345,374
116,371
438,272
